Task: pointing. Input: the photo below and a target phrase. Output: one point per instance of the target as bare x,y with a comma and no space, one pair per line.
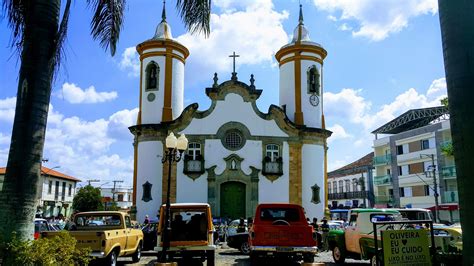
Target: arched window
313,80
146,197
329,188
354,185
334,186
152,76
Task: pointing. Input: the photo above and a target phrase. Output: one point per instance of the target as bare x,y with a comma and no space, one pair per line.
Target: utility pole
113,189
92,181
435,184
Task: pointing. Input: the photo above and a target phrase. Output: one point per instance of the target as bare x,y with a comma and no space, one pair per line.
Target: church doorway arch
232,199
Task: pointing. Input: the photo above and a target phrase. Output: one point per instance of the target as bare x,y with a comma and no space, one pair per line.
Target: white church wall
278,190
188,190
287,91
149,169
312,114
313,173
152,111
236,110
177,86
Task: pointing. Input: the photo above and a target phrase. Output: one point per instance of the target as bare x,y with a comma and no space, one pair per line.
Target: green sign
406,247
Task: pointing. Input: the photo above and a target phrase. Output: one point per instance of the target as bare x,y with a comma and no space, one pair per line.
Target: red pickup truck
281,230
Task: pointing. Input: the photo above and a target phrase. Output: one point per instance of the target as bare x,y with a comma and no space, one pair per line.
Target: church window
193,160
313,80
273,152
147,192
152,76
233,140
194,150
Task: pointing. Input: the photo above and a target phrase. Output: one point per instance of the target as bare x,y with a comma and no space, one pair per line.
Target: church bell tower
301,78
162,62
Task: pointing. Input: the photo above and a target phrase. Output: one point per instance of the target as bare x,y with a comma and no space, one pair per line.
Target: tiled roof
49,172
356,167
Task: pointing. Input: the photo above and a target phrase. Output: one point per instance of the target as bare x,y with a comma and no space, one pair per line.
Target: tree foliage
88,198
60,250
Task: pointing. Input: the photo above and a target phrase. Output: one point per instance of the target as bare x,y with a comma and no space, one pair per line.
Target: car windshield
189,224
273,214
94,221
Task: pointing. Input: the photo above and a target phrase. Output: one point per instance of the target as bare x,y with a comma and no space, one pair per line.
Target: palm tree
457,31
38,34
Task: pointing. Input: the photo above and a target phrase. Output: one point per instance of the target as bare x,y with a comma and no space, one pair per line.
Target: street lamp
435,183
175,148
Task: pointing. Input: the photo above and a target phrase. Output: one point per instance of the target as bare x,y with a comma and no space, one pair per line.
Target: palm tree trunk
22,184
457,31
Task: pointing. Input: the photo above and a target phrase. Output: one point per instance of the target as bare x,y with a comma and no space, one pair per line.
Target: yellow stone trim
139,117
162,44
298,113
326,207
135,167
167,114
301,57
173,55
298,47
295,173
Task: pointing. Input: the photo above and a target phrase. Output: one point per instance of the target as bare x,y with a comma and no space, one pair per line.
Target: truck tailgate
294,236
90,239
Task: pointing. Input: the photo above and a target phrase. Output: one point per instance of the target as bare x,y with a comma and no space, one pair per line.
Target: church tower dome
162,62
301,77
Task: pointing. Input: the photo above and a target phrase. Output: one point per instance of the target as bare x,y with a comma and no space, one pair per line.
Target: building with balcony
351,186
121,196
57,191
407,160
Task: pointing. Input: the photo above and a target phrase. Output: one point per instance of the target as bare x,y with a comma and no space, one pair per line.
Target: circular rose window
233,140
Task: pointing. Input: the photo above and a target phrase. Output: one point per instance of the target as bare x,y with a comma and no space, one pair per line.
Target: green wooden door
232,200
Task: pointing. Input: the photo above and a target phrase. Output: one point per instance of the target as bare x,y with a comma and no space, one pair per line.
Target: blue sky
384,57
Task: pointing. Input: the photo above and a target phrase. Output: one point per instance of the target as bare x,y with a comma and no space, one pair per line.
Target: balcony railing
382,159
449,171
193,165
348,195
272,167
451,197
383,199
383,180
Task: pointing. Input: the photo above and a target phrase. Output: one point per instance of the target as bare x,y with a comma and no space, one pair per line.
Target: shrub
59,250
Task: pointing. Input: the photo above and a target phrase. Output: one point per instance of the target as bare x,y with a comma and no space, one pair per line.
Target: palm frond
16,12
195,15
107,22
61,37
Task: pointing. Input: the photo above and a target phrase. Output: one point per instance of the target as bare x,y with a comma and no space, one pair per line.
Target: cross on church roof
234,74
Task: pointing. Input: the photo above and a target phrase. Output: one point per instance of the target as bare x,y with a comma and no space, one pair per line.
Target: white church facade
237,156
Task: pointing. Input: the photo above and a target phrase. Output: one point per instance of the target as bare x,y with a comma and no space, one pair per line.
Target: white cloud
7,109
120,121
258,29
358,109
338,132
378,19
345,27
130,62
332,18
74,94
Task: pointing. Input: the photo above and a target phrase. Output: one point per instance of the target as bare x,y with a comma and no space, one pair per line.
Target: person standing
241,226
325,233
147,219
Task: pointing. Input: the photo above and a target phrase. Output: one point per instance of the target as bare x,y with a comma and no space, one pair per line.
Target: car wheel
210,258
338,255
308,257
254,258
245,248
138,253
112,258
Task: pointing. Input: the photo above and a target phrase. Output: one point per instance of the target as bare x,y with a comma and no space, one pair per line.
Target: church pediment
248,92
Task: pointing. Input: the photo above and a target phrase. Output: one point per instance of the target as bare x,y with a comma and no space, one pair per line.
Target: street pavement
232,257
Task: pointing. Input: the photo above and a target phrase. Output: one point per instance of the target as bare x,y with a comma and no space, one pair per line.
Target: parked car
357,240
42,225
448,239
237,240
150,234
109,234
281,230
192,232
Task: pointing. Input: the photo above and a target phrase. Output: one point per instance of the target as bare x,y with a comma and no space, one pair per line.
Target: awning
445,207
